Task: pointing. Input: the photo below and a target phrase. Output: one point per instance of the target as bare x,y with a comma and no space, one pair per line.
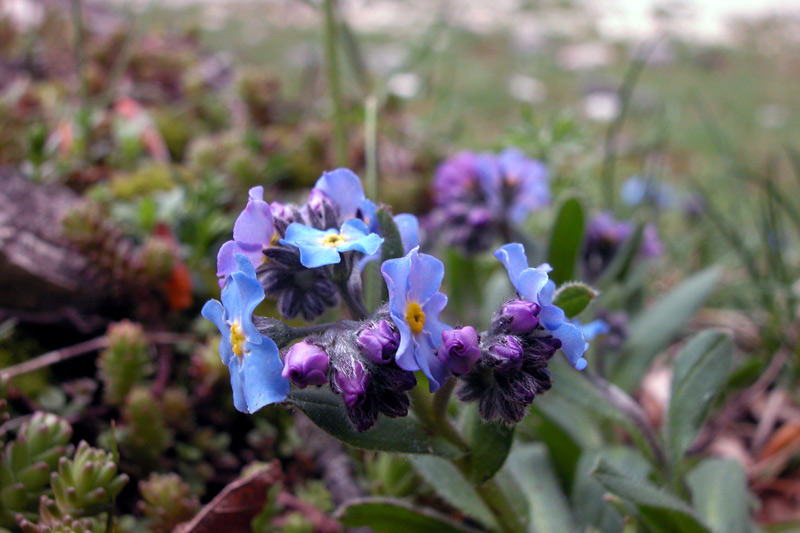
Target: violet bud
522,315
306,364
353,388
379,343
459,349
507,354
479,217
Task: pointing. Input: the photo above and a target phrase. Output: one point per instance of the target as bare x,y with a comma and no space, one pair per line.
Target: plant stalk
332,58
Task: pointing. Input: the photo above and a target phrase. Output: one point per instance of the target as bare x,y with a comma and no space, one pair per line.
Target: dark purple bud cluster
357,360
512,368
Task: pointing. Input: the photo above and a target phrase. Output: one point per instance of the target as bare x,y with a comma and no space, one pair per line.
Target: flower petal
551,317
344,188
406,357
395,272
530,283
573,344
424,277
433,325
431,366
215,312
235,368
254,225
225,261
309,241
547,292
368,244
241,295
261,375
513,258
408,225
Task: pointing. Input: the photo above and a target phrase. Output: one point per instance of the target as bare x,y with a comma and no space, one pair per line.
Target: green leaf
574,297
699,371
660,511
623,260
326,410
395,516
654,330
548,507
719,493
451,485
566,240
590,507
489,443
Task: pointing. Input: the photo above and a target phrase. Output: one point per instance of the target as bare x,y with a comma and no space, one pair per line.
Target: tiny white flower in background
527,89
24,14
772,116
404,84
601,106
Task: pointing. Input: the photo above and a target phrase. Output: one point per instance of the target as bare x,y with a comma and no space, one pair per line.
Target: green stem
83,87
332,57
489,491
442,399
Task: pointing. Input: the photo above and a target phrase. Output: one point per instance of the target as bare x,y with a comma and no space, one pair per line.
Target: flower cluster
605,235
310,257
480,197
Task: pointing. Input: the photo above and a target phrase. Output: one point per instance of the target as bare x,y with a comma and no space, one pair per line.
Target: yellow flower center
332,240
237,339
415,317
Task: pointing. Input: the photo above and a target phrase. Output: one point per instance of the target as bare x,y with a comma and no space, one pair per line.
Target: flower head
319,248
252,233
252,358
379,342
306,364
534,285
414,306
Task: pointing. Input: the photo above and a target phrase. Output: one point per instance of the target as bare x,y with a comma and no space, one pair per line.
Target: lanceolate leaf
574,297
489,443
566,240
392,246
699,370
549,510
452,486
719,493
660,511
405,435
396,516
653,331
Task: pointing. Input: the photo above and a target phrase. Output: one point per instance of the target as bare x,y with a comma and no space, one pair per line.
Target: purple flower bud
507,354
353,388
479,217
305,364
459,349
522,315
379,343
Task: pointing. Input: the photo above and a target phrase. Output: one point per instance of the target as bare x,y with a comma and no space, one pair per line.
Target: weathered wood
40,273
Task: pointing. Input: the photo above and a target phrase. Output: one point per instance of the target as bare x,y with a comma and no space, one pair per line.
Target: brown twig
83,348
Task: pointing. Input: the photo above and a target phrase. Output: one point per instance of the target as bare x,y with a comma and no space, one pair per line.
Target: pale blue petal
314,256
344,188
572,344
431,366
530,283
297,233
432,323
369,211
425,276
235,368
551,317
593,328
261,376
395,272
254,225
513,258
408,225
368,244
355,228
214,312
241,295
406,353
547,292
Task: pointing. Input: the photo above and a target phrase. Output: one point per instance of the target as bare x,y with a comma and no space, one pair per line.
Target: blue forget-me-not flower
414,306
319,248
534,285
252,233
252,358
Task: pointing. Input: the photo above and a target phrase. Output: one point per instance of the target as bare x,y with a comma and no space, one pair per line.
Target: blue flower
344,189
319,248
534,285
593,329
407,225
252,232
512,170
252,358
414,306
